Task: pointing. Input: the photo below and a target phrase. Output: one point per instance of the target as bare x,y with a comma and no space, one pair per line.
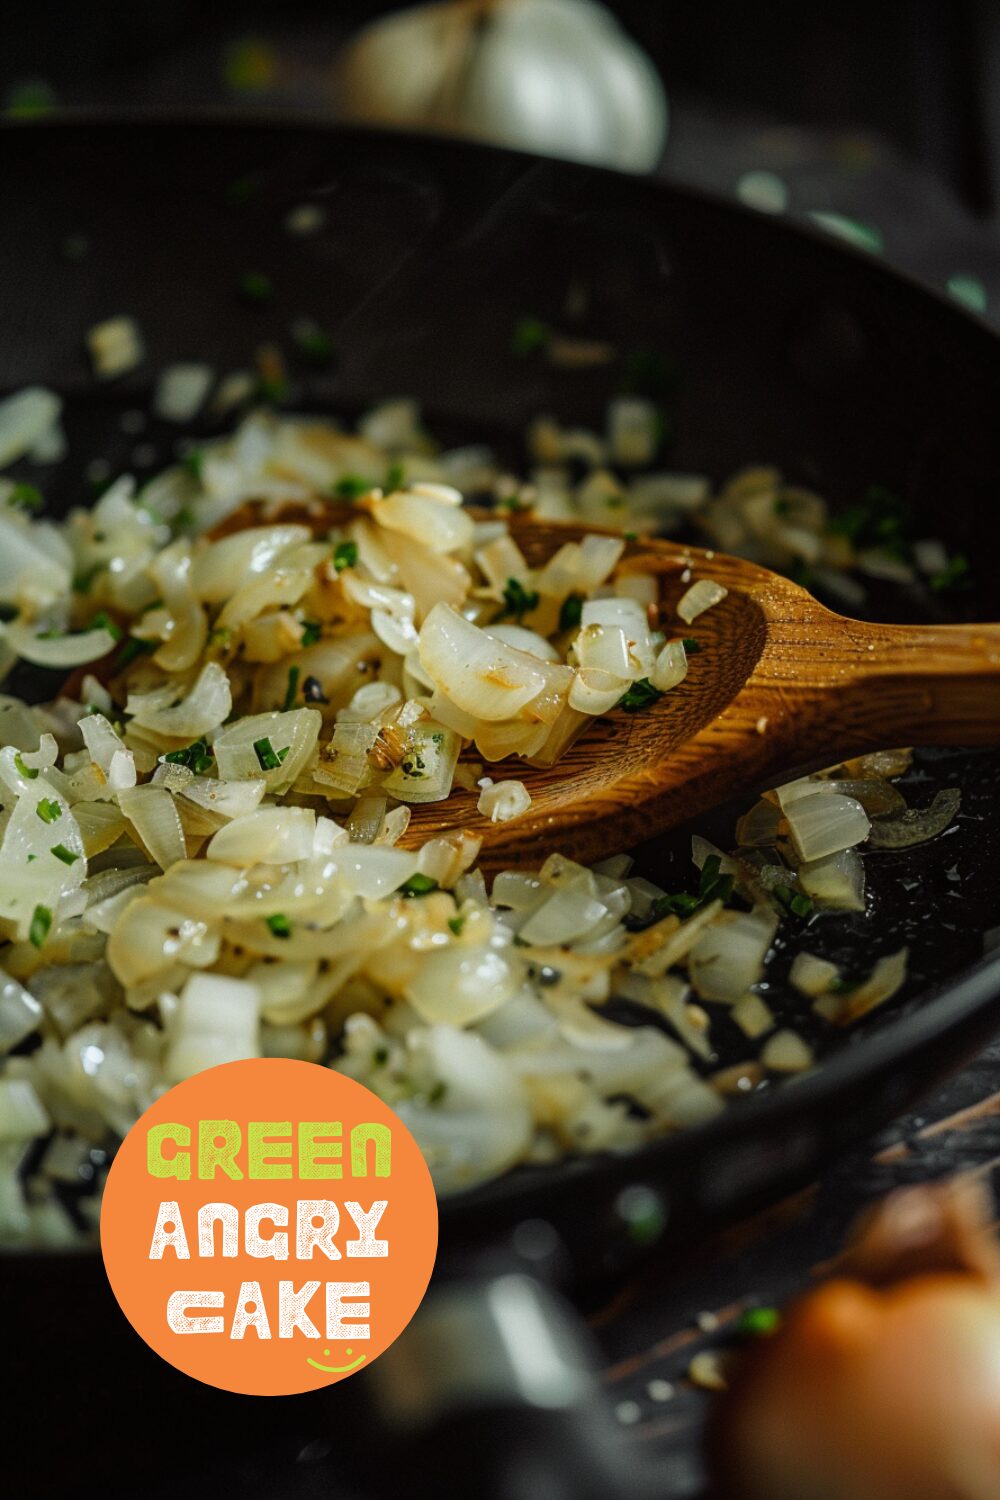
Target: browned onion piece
917,824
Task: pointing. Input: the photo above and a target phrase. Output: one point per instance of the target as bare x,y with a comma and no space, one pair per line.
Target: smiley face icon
338,1369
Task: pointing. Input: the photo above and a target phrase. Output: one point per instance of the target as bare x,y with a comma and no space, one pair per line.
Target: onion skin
886,1388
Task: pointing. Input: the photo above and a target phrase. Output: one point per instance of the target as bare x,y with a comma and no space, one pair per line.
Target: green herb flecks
793,901
103,621
25,497
291,691
41,921
456,924
311,632
641,694
530,336
49,810
26,771
132,649
571,612
518,601
350,486
279,926
954,576
691,646
417,885
66,855
759,1322
197,757
345,555
268,758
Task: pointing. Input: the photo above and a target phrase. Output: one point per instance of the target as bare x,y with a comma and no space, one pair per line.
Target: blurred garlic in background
557,77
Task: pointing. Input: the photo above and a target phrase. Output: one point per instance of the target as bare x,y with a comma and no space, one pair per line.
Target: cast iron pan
771,345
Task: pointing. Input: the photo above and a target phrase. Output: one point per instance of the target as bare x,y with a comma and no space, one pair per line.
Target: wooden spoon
780,685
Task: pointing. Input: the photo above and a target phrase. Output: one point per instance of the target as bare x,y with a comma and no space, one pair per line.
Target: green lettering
381,1137
179,1164
315,1148
218,1143
258,1142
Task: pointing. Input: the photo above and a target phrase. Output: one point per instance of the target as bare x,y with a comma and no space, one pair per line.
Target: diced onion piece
700,596
820,825
752,1015
787,1052
374,870
153,814
480,674
460,985
227,799
246,748
217,1021
271,835
728,957
670,668
22,1114
595,691
226,565
20,1013
204,708
812,975
426,769
633,431
917,824
604,647
524,640
180,391
500,801
25,417
101,740
149,939
759,827
58,650
441,528
836,881
884,981
115,347
568,913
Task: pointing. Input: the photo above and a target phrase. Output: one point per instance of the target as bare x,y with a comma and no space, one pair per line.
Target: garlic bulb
558,77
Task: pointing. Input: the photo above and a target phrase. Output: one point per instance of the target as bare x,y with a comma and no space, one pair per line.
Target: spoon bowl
779,684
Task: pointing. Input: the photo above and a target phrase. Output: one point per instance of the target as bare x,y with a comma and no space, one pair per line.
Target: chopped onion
217,1021
204,708
501,801
704,594
917,824
271,835
20,1013
245,749
153,814
820,824
58,650
837,880
181,390
670,668
480,674
752,1015
812,975
728,957
25,418
787,1052
460,985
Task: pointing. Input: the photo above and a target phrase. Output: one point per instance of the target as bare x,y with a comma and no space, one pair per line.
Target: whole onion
884,1383
557,77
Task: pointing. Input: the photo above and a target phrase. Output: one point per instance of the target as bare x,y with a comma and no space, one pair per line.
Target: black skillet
768,344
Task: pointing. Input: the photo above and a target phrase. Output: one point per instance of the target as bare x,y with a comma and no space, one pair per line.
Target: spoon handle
925,684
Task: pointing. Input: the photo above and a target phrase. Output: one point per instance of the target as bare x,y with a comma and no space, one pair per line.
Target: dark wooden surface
651,1328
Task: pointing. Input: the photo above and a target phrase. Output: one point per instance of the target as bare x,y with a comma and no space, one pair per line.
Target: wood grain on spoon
780,684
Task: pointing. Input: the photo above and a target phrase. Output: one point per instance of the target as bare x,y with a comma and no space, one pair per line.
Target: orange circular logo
269,1226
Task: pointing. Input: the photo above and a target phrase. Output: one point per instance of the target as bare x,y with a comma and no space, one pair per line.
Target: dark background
916,74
